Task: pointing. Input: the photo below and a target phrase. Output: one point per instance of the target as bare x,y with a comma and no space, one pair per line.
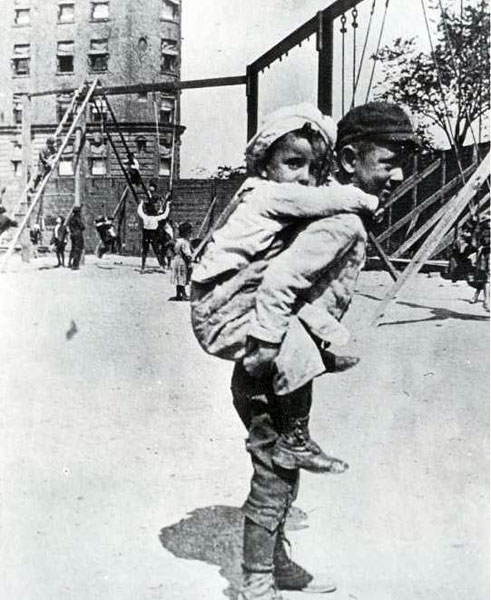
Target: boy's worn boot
294,448
259,586
258,582
290,576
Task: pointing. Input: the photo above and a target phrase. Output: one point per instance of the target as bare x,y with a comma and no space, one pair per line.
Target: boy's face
378,169
294,161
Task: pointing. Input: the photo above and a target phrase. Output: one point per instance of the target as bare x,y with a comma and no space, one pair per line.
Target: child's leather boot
295,449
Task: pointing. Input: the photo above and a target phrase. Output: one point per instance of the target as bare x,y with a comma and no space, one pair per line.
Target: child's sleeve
165,214
187,252
284,200
294,272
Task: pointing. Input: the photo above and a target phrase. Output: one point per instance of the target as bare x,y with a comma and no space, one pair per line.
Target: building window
16,168
21,59
17,109
168,56
65,166
98,110
16,160
165,145
97,156
98,55
99,10
141,144
66,12
142,46
22,14
170,10
64,56
167,110
165,164
62,103
97,165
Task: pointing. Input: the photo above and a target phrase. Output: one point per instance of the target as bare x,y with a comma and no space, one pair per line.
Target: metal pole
252,91
325,35
79,144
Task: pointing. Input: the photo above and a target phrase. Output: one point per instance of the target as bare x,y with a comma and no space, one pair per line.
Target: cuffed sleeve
283,200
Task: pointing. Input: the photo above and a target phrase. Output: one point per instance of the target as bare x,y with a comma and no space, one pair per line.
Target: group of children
171,250
71,228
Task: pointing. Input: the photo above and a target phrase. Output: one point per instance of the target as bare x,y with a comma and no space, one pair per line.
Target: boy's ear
263,171
347,158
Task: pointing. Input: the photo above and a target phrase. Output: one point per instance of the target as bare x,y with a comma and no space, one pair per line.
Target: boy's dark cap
376,121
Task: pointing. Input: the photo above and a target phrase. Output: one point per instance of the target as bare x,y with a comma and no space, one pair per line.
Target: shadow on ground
214,535
438,314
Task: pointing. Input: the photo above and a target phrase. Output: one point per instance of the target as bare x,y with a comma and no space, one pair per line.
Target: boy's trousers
273,489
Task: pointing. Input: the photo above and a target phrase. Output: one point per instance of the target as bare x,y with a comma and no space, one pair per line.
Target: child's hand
259,357
368,202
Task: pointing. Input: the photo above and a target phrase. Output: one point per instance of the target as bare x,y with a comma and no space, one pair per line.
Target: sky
220,37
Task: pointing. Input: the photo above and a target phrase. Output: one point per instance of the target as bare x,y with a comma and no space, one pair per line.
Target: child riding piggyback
251,304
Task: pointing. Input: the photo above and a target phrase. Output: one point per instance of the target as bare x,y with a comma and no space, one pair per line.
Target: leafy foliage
227,172
453,93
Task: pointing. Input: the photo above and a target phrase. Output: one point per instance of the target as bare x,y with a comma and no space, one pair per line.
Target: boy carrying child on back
268,293
236,314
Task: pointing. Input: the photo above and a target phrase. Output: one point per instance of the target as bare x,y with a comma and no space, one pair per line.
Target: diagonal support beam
410,182
425,204
454,210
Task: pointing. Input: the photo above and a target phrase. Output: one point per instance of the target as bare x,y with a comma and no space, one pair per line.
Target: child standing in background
181,266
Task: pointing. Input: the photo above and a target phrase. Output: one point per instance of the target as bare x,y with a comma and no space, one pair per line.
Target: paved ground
122,464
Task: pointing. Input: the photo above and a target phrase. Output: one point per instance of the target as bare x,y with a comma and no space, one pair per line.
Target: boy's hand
259,357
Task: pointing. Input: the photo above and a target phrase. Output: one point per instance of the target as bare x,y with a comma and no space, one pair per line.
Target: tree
448,88
227,172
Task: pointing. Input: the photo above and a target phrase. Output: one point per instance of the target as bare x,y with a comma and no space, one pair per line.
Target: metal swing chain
369,27
379,41
343,31
354,25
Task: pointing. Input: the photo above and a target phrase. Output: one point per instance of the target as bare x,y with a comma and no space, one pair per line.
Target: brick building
58,44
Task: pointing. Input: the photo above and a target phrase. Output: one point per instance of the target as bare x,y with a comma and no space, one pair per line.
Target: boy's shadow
214,535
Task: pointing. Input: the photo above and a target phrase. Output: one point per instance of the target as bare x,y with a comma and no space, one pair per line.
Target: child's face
294,161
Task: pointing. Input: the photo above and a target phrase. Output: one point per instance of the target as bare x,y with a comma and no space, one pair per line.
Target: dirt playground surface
122,462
